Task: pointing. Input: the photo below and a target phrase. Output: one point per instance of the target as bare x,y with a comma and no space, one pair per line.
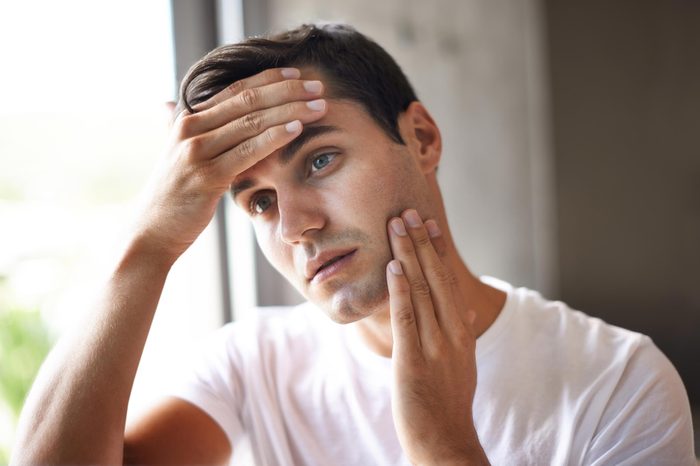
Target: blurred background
572,155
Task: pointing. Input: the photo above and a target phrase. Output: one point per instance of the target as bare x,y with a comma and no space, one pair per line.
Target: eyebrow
307,135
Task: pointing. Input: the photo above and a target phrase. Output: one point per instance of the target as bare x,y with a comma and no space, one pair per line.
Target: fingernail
316,105
293,126
412,218
398,227
395,267
433,228
290,73
313,87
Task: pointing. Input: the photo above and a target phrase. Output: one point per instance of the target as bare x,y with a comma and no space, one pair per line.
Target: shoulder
246,357
625,393
532,322
647,416
266,331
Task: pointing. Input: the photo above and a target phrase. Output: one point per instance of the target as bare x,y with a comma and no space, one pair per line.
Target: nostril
297,219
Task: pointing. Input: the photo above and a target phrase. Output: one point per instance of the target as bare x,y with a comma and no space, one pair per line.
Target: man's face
320,207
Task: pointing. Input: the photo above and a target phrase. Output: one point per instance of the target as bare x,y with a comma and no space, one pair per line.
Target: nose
300,212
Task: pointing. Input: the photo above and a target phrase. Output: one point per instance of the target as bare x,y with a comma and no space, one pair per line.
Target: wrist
469,453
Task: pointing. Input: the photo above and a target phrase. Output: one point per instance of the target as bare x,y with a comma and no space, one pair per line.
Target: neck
486,301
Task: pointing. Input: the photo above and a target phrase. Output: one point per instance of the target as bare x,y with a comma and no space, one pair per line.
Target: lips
324,260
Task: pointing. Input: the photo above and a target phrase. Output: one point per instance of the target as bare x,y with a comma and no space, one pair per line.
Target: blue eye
321,161
260,204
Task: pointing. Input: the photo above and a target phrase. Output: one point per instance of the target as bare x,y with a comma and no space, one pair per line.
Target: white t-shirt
555,386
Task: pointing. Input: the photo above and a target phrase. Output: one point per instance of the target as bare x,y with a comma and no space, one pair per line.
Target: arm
176,432
434,351
76,410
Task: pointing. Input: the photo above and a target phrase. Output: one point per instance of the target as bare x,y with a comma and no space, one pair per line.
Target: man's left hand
433,349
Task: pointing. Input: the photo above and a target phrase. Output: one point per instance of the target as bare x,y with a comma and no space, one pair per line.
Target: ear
421,135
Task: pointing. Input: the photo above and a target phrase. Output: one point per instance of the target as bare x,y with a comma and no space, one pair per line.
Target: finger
436,237
222,139
440,245
403,249
403,320
252,150
260,79
439,277
257,98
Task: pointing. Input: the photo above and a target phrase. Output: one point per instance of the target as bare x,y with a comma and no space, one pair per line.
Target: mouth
331,266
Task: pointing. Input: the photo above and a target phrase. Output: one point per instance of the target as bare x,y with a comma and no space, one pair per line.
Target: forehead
345,120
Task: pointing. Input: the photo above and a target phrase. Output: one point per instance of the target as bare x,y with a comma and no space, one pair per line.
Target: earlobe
422,136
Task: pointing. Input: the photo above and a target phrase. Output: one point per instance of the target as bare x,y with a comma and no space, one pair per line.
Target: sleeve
214,383
647,420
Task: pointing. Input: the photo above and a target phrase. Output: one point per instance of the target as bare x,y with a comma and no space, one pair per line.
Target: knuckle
405,316
443,275
420,287
250,97
252,122
422,240
292,86
246,149
452,277
184,126
235,87
194,146
180,115
294,110
269,138
406,247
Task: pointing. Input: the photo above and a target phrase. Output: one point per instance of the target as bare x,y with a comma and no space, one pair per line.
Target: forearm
76,410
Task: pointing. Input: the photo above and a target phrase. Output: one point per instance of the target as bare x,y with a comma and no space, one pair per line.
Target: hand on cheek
433,348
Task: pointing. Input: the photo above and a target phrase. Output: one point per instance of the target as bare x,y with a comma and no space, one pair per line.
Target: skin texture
76,410
346,205
434,345
336,193
314,211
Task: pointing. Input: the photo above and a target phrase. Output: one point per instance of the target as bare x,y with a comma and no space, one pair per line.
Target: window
82,124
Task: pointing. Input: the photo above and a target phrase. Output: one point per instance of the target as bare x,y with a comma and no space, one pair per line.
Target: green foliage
24,343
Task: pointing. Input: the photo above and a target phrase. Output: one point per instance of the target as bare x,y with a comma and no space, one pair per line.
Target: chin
345,308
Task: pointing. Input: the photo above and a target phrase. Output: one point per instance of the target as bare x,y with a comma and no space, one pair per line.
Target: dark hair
356,68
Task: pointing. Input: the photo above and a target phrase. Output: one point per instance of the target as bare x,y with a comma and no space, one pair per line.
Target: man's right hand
76,410
229,133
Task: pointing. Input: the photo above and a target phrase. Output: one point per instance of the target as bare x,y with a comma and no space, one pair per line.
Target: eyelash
258,196
253,200
316,157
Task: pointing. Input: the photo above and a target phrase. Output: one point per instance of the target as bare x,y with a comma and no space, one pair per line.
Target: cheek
274,251
387,196
374,188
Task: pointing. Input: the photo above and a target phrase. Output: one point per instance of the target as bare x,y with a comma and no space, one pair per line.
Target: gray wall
626,106
478,66
611,222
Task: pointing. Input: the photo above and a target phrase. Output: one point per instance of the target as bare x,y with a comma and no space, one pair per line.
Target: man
320,138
